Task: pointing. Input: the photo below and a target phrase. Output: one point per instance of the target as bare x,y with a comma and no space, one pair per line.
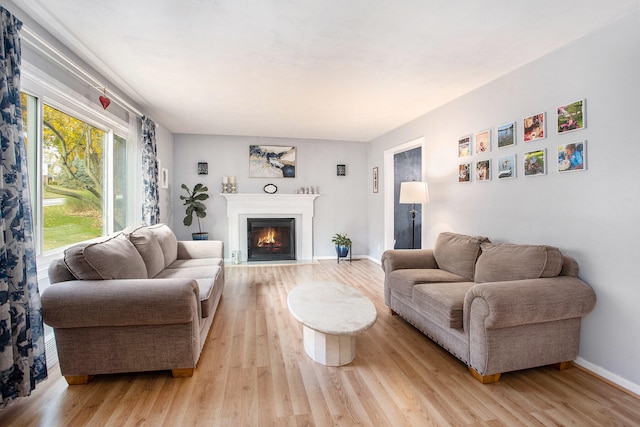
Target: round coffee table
331,315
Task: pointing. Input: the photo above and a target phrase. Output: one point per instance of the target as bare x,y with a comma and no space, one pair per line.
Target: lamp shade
414,192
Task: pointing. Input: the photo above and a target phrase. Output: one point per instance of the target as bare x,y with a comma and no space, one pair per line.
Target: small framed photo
464,172
483,141
534,127
572,157
507,135
483,170
375,179
341,170
203,168
571,117
507,166
464,146
535,163
164,178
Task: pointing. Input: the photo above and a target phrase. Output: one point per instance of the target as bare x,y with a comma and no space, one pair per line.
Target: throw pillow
149,248
457,253
500,262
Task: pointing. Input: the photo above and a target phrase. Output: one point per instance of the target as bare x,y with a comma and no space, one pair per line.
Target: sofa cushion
167,240
195,262
443,300
404,280
206,278
147,245
457,253
114,258
500,262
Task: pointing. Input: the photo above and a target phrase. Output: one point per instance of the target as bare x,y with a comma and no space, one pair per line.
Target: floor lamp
411,193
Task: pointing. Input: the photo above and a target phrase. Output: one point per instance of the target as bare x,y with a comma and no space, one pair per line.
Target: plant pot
200,236
342,250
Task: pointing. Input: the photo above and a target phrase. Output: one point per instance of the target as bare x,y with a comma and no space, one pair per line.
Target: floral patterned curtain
22,351
150,195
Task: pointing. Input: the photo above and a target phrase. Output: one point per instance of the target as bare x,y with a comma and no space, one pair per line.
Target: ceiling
325,69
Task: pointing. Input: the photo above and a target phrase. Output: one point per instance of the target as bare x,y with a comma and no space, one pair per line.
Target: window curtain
151,195
22,350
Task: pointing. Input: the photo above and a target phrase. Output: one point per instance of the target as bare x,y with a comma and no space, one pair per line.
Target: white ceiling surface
330,69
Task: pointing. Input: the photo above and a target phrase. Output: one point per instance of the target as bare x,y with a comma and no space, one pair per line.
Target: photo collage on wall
474,150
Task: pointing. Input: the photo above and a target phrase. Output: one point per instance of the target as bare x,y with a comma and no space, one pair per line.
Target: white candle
225,179
232,179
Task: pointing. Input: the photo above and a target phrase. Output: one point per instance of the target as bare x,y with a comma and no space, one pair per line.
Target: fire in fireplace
271,239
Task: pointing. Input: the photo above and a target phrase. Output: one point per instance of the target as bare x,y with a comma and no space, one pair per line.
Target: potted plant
193,202
343,244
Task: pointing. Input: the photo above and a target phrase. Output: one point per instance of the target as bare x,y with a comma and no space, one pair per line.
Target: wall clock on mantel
270,189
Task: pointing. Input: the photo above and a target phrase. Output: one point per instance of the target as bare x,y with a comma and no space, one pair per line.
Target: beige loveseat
496,307
139,301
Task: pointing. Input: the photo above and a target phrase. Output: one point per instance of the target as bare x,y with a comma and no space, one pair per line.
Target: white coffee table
331,315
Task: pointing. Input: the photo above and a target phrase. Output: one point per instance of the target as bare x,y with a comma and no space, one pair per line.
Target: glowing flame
268,239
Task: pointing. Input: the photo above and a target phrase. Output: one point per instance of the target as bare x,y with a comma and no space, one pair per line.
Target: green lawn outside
64,225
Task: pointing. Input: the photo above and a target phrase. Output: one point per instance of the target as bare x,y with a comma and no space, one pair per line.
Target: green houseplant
193,202
343,244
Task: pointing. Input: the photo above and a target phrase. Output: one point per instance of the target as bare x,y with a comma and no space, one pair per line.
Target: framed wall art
483,141
375,179
507,135
164,178
507,166
464,172
534,127
534,163
571,117
272,161
341,170
572,157
464,146
483,170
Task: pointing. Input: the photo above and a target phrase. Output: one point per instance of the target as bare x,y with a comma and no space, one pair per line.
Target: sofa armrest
521,302
188,249
123,302
396,259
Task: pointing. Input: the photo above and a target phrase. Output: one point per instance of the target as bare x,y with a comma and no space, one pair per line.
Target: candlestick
225,179
232,179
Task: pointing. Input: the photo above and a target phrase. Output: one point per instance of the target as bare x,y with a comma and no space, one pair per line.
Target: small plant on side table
343,245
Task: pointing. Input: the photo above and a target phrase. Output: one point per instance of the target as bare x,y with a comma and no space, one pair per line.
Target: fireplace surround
299,206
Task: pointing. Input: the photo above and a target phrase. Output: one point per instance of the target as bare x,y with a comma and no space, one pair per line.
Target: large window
77,173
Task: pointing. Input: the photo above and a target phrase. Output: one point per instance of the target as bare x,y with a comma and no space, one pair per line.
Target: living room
590,215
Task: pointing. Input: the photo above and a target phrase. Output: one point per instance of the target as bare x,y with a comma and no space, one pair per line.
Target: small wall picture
483,170
483,141
464,146
464,172
507,166
164,178
203,168
534,163
572,157
272,161
341,170
375,179
534,127
571,117
507,135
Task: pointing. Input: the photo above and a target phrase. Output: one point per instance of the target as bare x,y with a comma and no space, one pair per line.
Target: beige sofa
139,301
496,307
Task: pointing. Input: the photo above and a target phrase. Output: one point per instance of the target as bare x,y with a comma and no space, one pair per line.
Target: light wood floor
253,371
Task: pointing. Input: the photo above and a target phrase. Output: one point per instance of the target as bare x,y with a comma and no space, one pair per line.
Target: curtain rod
54,54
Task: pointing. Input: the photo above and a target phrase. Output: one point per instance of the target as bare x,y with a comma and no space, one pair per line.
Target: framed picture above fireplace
272,161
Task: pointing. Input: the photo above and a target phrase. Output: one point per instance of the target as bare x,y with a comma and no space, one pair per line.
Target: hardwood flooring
253,371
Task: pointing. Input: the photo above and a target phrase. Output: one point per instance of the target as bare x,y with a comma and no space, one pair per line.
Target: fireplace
270,239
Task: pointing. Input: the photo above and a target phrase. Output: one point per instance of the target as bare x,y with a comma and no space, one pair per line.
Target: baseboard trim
608,377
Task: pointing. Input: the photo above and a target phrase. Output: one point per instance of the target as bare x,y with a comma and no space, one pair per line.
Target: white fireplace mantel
254,205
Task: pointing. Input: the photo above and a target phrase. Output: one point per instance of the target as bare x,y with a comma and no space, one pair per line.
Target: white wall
341,207
591,215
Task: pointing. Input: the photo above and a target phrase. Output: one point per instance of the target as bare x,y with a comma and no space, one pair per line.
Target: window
78,174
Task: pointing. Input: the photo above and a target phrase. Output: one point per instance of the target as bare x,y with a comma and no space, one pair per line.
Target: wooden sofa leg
78,379
484,379
563,365
393,313
182,373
